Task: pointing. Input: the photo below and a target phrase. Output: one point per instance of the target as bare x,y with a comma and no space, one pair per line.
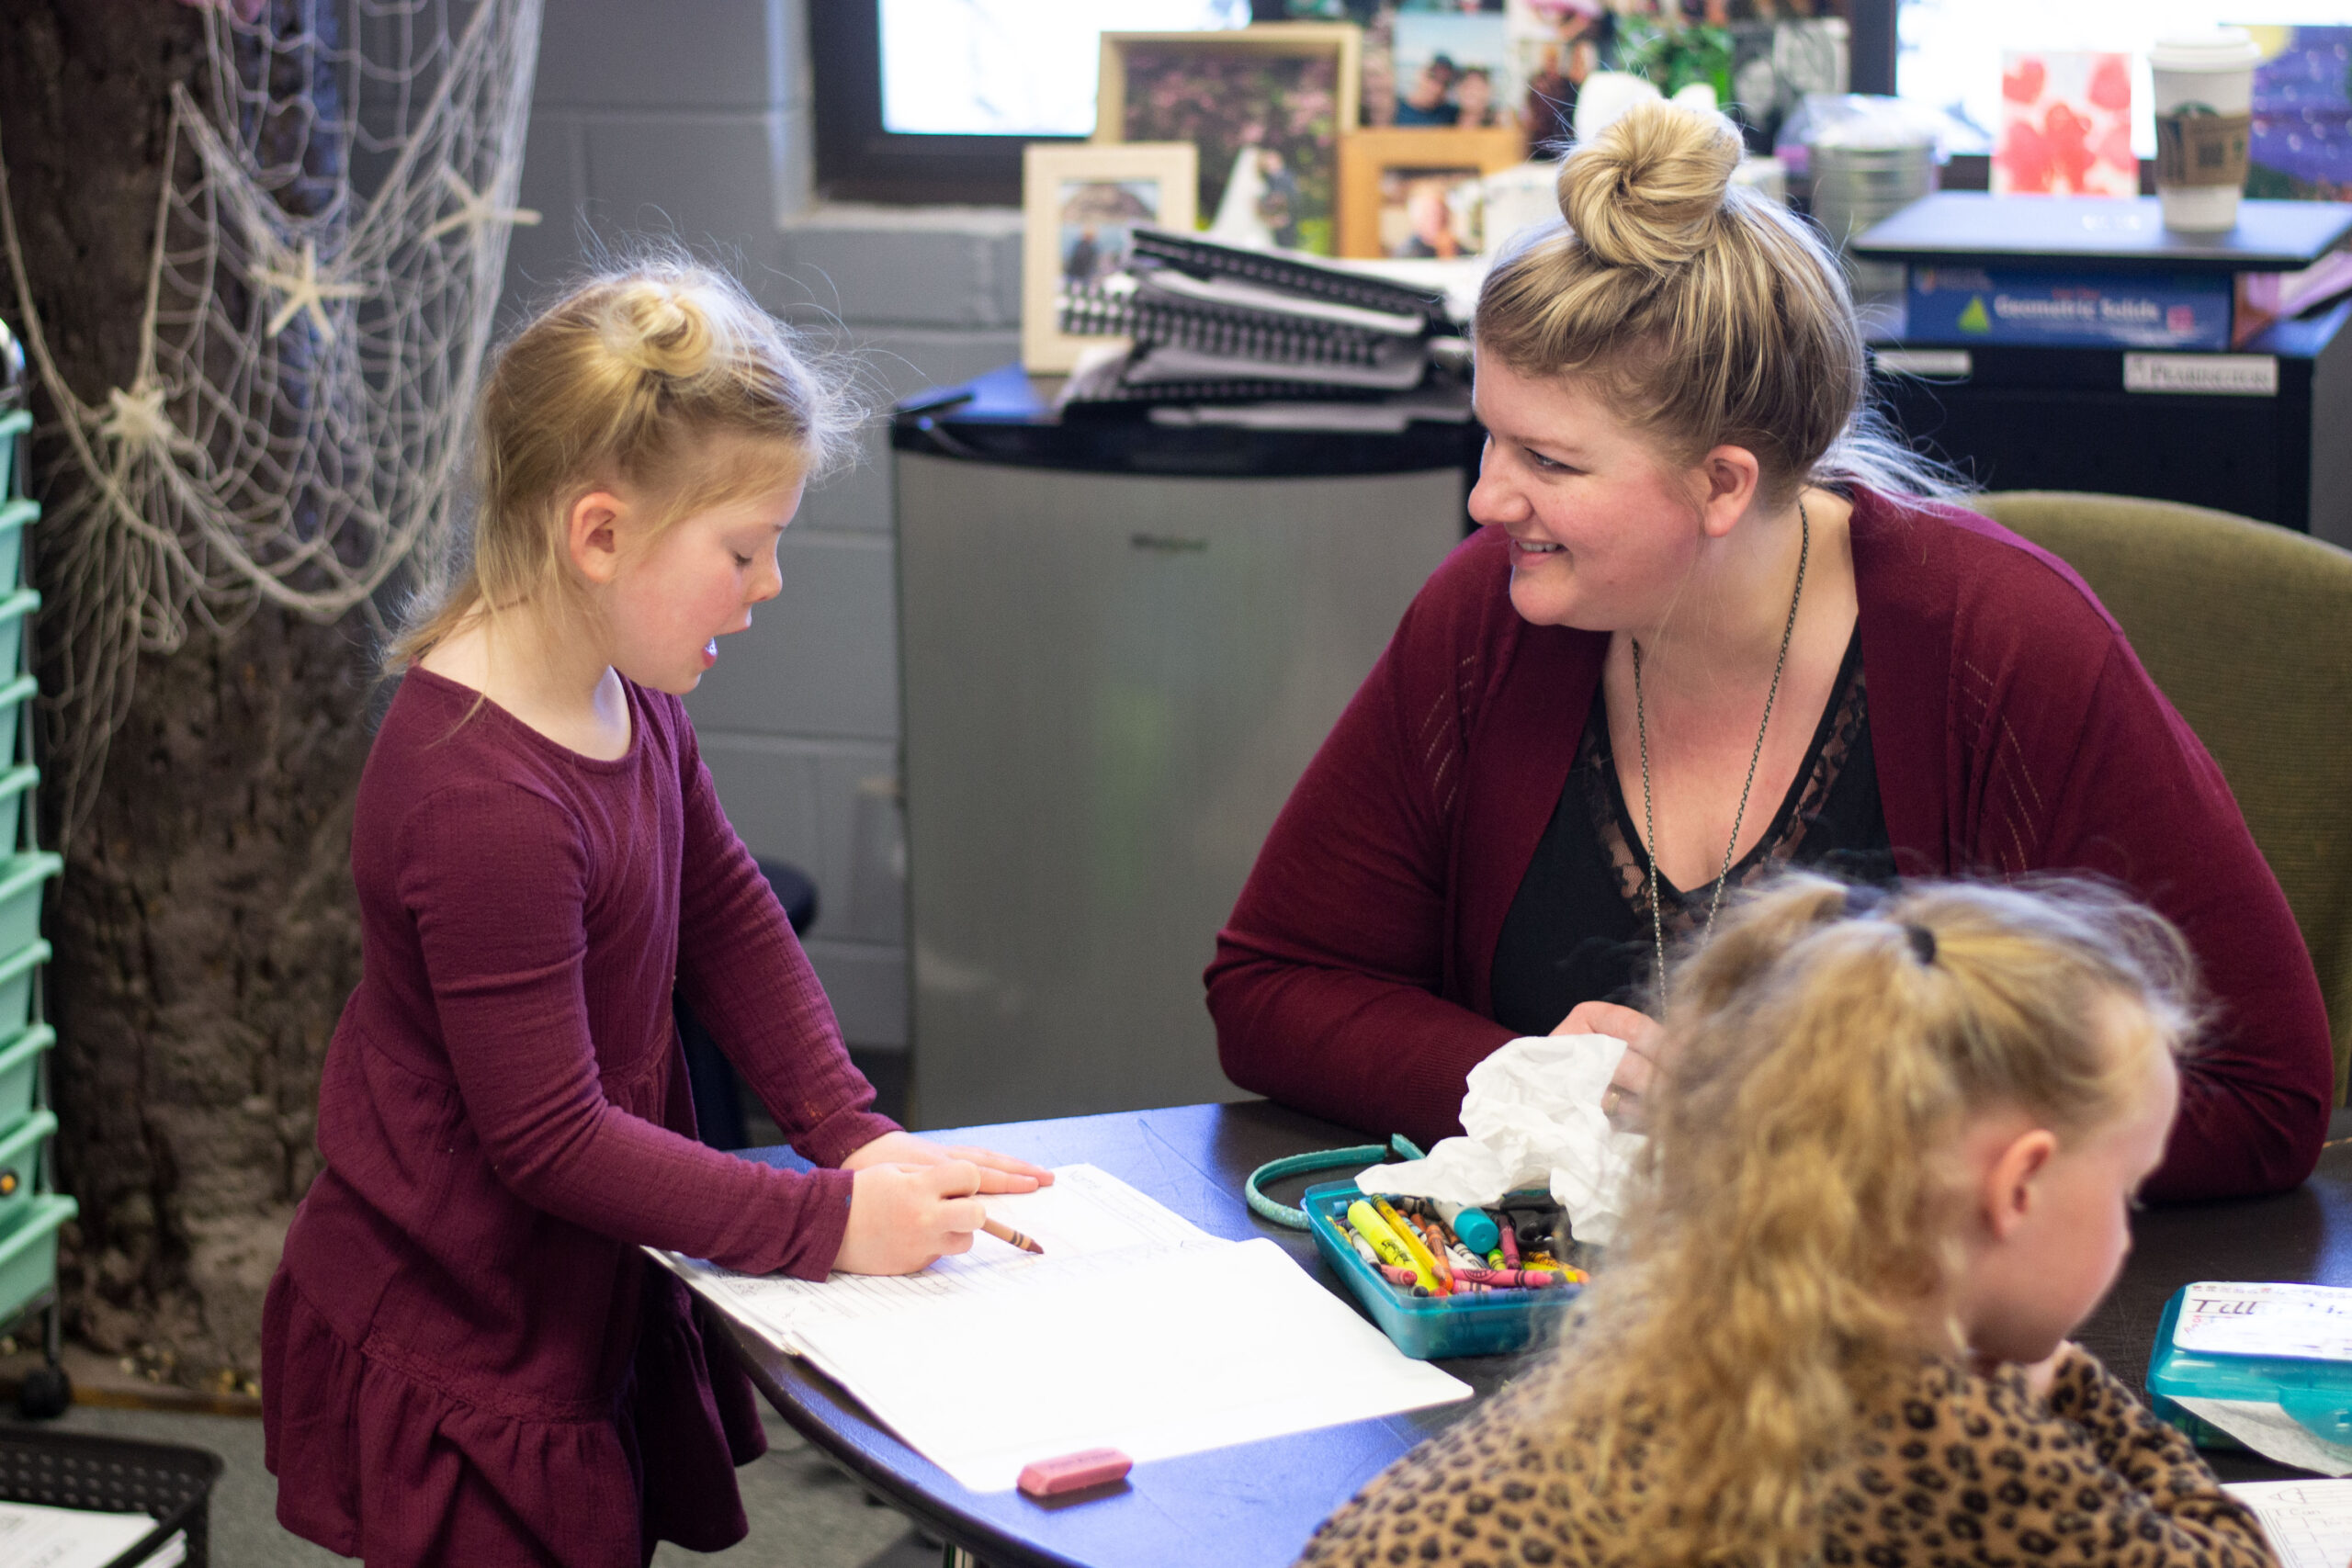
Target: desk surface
1257,1503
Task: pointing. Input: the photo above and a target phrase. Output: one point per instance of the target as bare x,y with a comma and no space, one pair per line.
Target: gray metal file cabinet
1120,642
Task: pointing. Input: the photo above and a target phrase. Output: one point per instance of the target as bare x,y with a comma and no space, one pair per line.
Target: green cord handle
1265,1208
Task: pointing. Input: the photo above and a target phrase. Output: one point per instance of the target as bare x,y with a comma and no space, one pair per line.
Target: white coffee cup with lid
2204,84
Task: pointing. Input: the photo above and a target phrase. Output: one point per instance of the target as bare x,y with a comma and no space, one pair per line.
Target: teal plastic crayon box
2266,1344
1430,1329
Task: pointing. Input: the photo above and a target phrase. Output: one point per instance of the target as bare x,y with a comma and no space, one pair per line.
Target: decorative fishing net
329,246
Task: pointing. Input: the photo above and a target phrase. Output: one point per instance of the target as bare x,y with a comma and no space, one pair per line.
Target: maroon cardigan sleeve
742,971
496,876
2016,731
1330,989
2140,801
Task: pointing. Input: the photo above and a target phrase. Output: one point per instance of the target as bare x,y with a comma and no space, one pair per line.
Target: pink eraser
1075,1472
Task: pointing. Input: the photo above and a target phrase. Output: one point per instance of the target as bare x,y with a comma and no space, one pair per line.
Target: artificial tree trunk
206,929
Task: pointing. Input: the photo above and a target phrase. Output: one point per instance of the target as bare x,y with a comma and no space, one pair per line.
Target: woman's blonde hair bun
656,324
1648,192
1702,313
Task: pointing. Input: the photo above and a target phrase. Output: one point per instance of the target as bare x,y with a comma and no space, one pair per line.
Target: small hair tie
1923,942
1863,899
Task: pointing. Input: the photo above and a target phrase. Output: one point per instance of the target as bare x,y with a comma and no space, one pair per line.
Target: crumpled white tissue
1531,1118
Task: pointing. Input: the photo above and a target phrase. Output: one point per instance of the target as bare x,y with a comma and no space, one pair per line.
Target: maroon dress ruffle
466,1355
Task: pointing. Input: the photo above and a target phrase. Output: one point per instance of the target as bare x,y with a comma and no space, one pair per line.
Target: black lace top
1579,926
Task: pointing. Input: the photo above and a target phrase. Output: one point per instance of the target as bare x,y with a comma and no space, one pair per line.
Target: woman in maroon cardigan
1709,617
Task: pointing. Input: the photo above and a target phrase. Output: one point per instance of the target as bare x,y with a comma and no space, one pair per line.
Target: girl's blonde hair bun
664,377
1648,191
658,325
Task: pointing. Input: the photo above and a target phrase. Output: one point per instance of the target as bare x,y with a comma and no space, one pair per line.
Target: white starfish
305,291
475,208
136,418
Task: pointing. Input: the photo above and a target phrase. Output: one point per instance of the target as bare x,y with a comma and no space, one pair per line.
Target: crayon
1003,1232
1364,1250
1441,1277
1434,1238
1396,1276
1511,1248
1473,1226
1429,1235
1442,1242
1519,1279
1386,1242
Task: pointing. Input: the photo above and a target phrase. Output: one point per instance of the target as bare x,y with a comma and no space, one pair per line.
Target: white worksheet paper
67,1538
2309,1522
1136,1330
1167,1355
1086,1215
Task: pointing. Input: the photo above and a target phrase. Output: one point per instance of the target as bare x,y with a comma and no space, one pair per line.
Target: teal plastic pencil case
2316,1389
1427,1328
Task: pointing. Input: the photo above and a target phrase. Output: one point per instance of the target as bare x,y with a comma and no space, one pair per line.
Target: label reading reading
2308,1321
2222,375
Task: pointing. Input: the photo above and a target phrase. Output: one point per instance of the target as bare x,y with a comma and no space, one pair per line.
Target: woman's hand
1640,1032
997,1173
903,1218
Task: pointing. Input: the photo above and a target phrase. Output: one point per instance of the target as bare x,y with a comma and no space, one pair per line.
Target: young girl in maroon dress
466,1357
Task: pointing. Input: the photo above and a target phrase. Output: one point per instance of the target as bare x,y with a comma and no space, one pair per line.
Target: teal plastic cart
31,1210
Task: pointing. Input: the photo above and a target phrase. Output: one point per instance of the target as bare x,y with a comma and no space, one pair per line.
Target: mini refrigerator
1121,641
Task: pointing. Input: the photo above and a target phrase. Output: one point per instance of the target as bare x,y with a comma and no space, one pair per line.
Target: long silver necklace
1642,733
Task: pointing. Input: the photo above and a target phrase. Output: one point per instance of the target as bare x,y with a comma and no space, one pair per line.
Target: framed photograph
1082,203
1455,70
1416,193
1264,104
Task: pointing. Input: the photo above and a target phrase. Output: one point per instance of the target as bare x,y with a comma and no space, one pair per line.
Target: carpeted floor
805,1512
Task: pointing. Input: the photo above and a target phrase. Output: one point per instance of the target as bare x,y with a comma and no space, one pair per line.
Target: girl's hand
903,1218
2038,1376
999,1173
1640,1032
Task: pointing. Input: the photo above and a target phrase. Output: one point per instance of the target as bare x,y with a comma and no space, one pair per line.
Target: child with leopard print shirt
1892,1144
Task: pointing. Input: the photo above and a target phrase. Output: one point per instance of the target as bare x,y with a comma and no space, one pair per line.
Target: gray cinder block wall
689,119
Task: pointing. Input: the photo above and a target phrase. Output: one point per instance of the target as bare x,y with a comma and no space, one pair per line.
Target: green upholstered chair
2247,628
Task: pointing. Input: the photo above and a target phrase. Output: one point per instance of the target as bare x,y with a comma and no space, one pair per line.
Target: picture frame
1265,105
1414,169
1080,202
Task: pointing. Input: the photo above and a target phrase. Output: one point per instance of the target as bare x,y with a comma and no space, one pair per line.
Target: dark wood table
1256,1503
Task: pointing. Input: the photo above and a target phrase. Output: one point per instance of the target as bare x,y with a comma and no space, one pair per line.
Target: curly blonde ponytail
1792,1221
634,378
1705,313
